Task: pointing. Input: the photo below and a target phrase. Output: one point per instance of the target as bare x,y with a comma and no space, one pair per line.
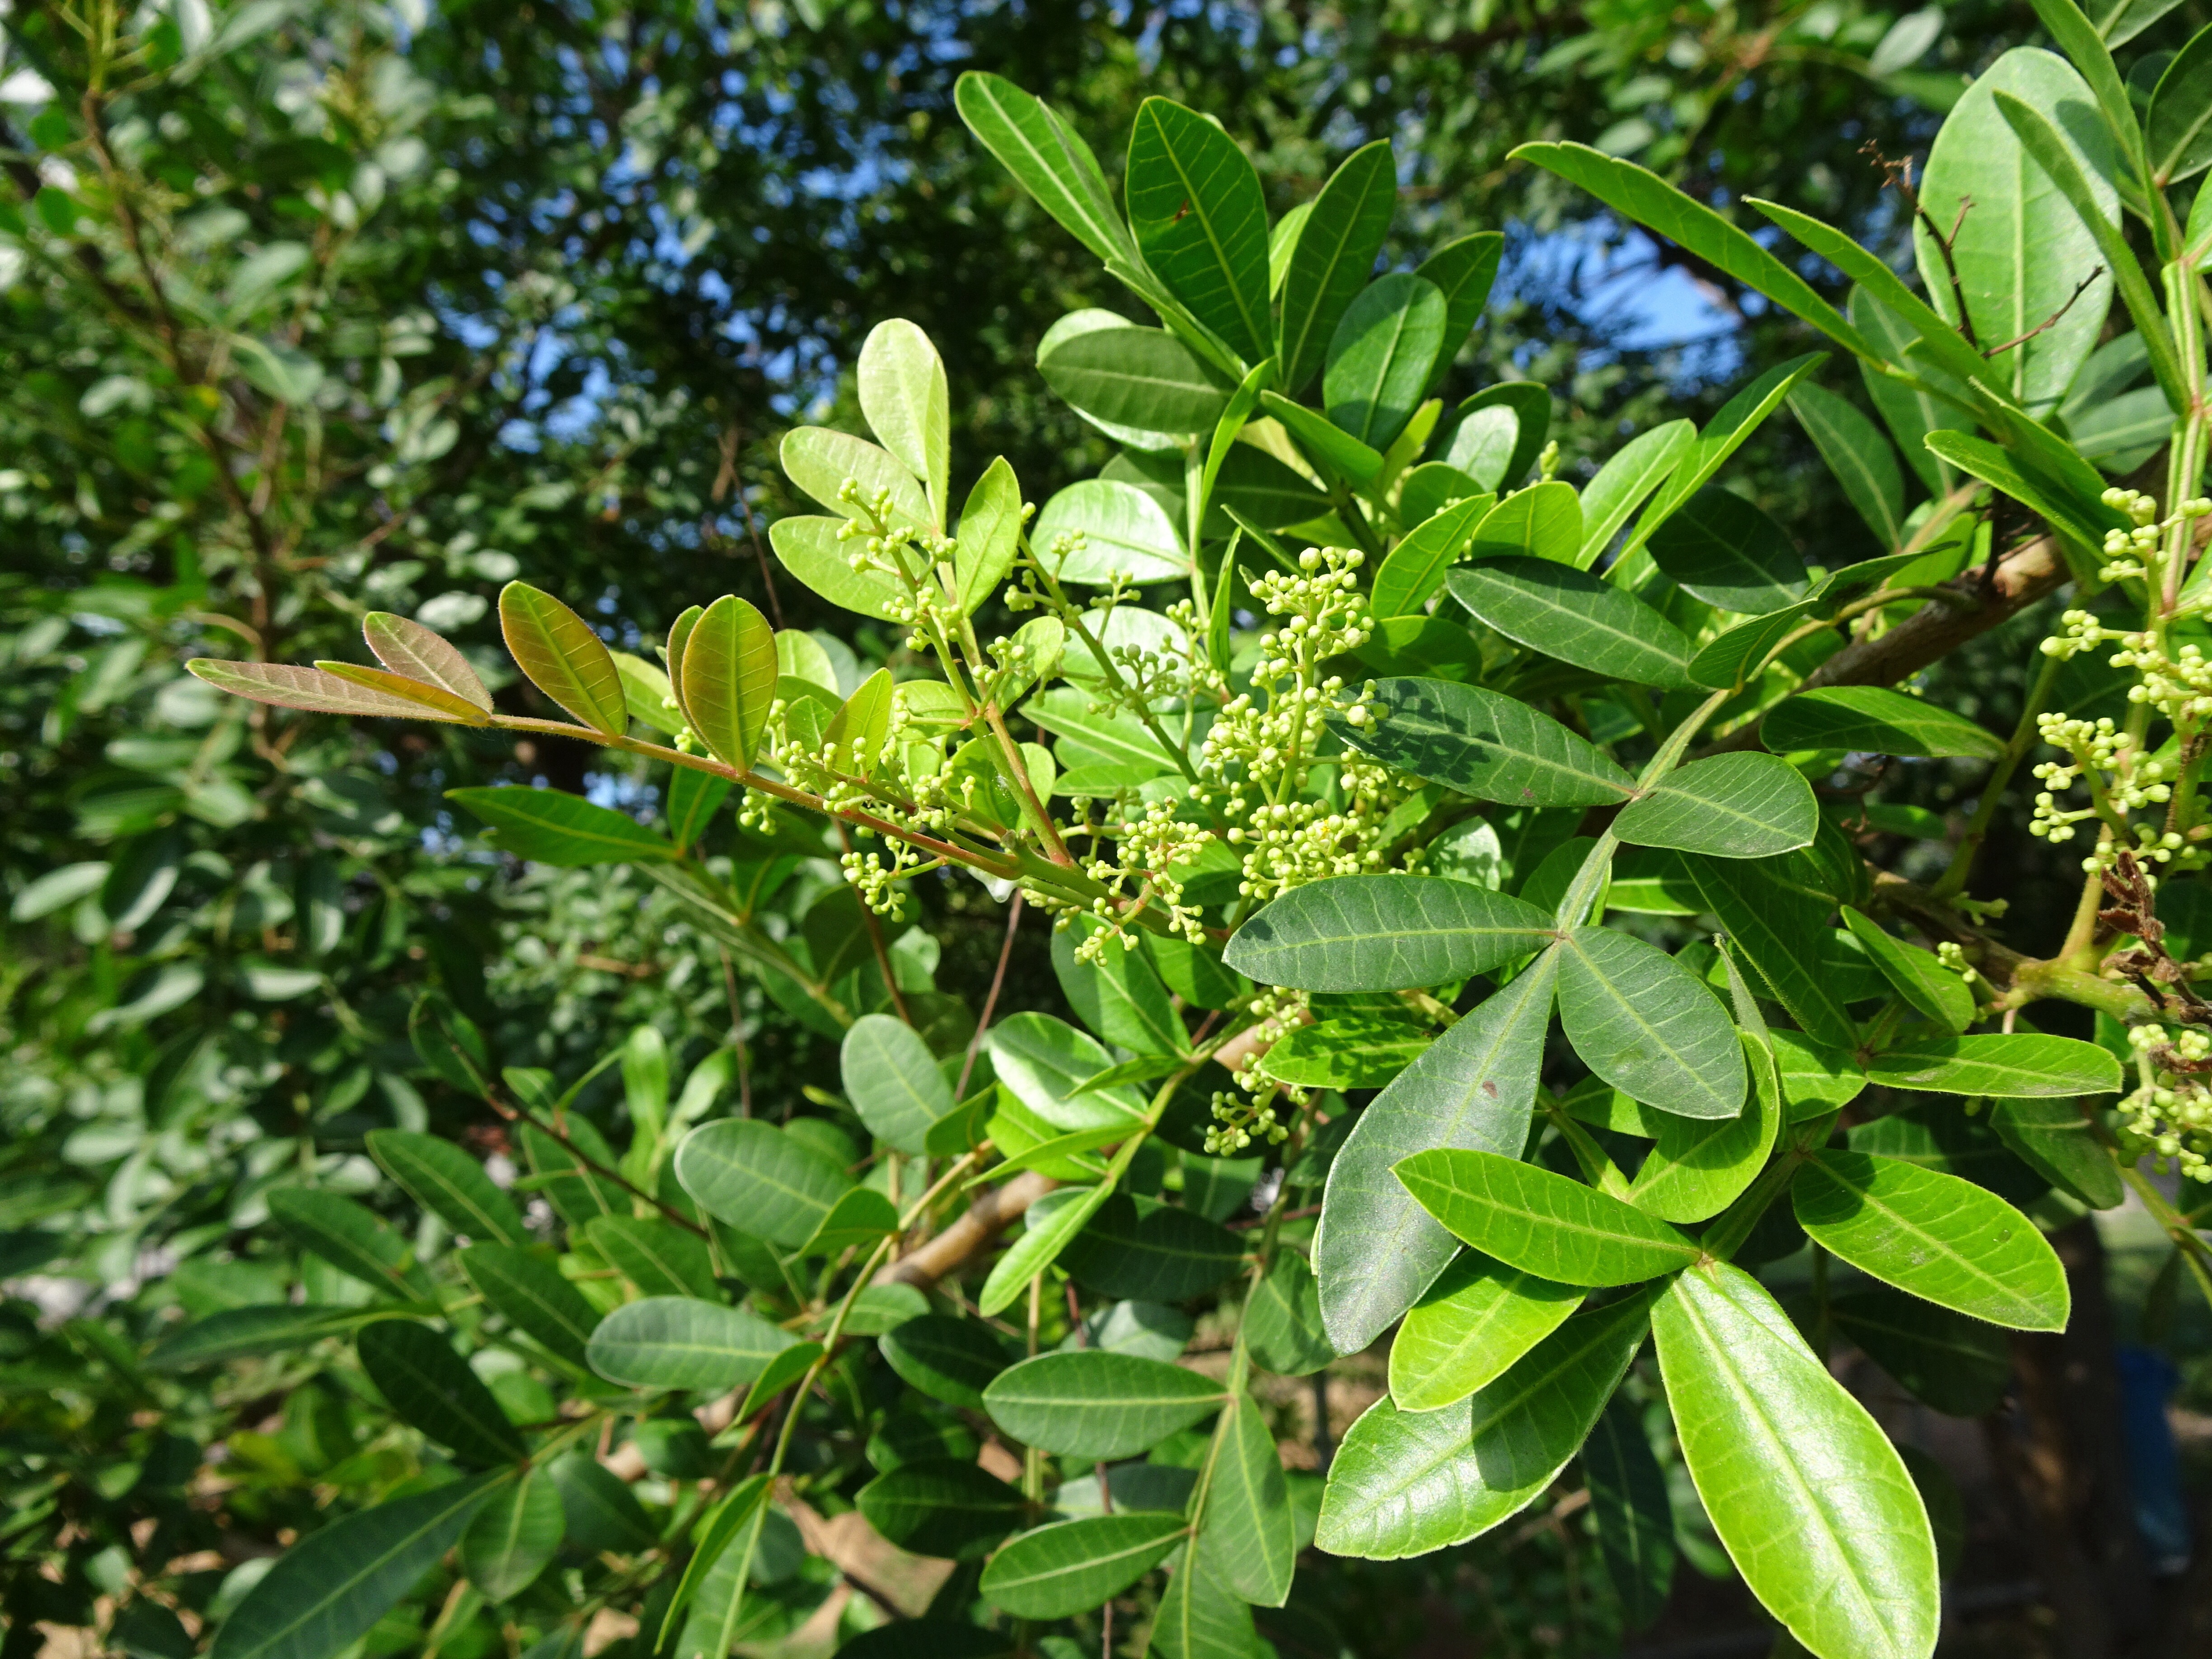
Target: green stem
1954,880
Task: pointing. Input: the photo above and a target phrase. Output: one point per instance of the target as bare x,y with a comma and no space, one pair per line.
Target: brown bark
968,1237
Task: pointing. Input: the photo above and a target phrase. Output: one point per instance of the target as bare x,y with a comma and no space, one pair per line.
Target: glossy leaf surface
1486,744
1648,1026
1470,1327
1732,806
1094,1404
1566,613
1541,1222
1384,933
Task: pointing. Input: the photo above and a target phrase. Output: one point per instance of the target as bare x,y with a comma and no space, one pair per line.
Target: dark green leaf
1925,983
1959,1365
1463,271
1195,207
1568,614
658,1257
894,1083
1648,1026
1628,1505
446,1181
600,1510
1329,446
432,1389
1380,356
1070,1566
245,1333
2059,1141
1050,1227
1730,659
1873,719
1248,1537
948,1359
1483,743
1045,155
1859,456
529,1292
940,1507
758,1178
1282,1320
513,1537
680,1342
1332,258
351,1238
1140,377
2010,1065
1384,933
1119,997
1769,925
1141,1249
548,827
1723,550
1414,569
1093,1404
1634,471
1735,806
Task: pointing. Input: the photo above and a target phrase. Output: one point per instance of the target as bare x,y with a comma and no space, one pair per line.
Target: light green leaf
810,549
1700,1166
729,678
314,689
1733,807
903,397
1123,529
1859,456
1064,711
1388,932
990,533
1376,1248
1769,923
2059,1140
1943,1239
1380,356
948,1359
1910,412
941,1507
1049,1228
1359,1051
1924,983
1571,615
1282,1320
445,1180
1405,1483
351,1237
530,1292
2067,509
1727,662
1959,1365
1543,1223
680,1342
432,1389
562,657
1808,1495
1633,471
514,1537
1648,1026
1139,379
658,1257
819,459
1119,997
1327,445
753,1175
1470,1327
1720,548
1629,1506
1544,522
860,1216
1198,1619
1247,1536
546,826
1199,219
1413,571
405,646
328,1590
432,701
1463,271
738,1514
2022,249
1070,1566
1090,1403
1047,157
1483,743
1047,1062
1333,256
893,1081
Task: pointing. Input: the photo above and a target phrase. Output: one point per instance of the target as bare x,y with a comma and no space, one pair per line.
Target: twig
1898,176
524,1114
2080,288
990,1002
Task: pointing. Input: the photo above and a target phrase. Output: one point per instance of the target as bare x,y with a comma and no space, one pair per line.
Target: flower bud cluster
2170,1113
2130,553
1147,846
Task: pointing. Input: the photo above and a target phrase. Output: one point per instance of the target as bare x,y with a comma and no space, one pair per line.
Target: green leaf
1389,932
314,689
1733,807
1959,1365
1143,1250
657,1257
1643,196
1046,156
405,646
1808,1495
432,1389
1201,220
819,459
1911,411
1463,270
1049,1233
531,1295
562,657
1569,615
1328,446
1859,456
1376,1248
990,533
1470,1327
1282,1320
1699,1167
729,679
1090,1403
2059,1141
2010,1065
351,1238
680,1342
1943,1239
431,702
1544,522
1247,1536
2023,248
1332,258
1483,743
952,1360
446,1181
1629,1507
1048,1064
694,798
1633,471
860,1216
1380,356
1770,924
1405,1483
575,1188
1727,662
600,1510
1198,1619
1359,1051
514,1537
903,397
811,549
1119,996
894,1083
1135,378
739,1514
1070,1566
2179,126
1924,983
753,1175
2065,508
1648,1026
246,1332
1720,548
1124,532
1413,571
1543,1223
328,1590
546,826
942,1507
1727,432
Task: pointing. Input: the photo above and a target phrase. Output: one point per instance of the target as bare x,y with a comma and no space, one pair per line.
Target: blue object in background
2148,1380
